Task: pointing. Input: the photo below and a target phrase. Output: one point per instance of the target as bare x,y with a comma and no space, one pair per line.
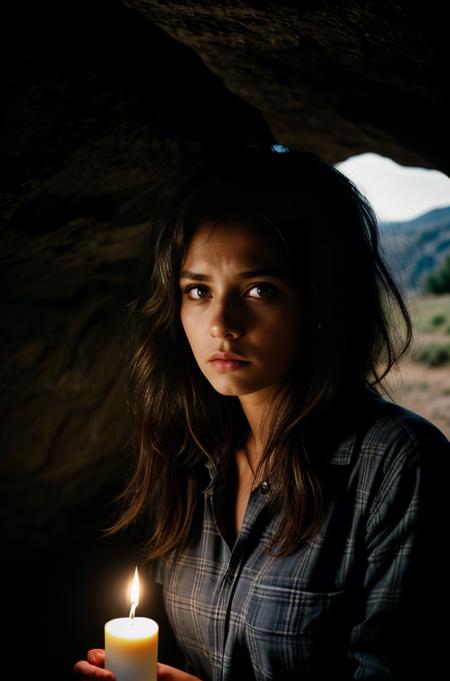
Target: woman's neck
255,409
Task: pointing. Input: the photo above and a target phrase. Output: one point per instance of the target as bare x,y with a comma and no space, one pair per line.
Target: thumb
96,656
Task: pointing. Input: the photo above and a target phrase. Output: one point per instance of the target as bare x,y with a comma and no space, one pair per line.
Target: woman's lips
224,360
223,365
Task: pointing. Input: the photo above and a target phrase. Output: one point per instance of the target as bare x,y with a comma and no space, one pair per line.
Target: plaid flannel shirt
360,601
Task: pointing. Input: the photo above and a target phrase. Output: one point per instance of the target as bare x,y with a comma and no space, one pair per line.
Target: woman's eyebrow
186,274
263,272
249,274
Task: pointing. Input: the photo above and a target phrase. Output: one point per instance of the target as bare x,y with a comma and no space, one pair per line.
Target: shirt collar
342,456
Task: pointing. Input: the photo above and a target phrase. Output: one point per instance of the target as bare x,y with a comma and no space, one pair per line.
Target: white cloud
397,192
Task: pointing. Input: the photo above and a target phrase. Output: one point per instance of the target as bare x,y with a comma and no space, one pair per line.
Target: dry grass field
424,385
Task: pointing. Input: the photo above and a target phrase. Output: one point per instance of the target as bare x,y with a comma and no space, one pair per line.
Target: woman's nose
225,323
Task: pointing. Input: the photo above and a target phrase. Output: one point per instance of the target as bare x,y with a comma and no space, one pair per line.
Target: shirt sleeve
405,590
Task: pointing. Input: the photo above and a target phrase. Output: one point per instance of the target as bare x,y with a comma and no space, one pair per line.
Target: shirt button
265,487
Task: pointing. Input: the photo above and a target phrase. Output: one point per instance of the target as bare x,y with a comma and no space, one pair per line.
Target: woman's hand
94,666
166,673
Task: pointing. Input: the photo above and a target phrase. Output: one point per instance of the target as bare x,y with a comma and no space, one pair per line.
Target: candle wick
132,611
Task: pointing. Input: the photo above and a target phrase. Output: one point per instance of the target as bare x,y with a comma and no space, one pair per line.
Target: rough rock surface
100,104
100,108
338,78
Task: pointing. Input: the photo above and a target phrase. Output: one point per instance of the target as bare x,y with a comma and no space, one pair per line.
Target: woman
298,518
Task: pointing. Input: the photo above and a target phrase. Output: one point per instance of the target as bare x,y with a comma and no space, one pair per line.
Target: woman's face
239,310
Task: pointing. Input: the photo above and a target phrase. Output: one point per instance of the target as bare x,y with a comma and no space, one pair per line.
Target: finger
167,673
84,670
96,656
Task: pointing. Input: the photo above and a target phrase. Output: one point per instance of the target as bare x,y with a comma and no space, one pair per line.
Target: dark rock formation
336,78
100,108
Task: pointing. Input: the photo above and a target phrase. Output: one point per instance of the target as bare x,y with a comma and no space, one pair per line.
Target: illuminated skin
228,307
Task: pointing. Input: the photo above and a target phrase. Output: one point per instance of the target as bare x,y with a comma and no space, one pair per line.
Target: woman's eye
262,291
197,292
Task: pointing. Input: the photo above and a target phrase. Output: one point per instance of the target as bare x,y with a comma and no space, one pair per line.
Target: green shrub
439,281
438,320
434,355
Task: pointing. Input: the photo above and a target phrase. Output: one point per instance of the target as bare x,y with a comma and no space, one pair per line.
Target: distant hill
415,248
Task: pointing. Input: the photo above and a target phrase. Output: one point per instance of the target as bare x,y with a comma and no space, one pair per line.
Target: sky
397,192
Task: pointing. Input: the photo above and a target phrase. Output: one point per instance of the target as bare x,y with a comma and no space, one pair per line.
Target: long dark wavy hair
355,327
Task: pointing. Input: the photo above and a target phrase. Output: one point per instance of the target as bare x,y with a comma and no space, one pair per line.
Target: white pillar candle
131,643
131,648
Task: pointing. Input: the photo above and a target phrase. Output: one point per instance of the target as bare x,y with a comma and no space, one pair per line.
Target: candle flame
134,593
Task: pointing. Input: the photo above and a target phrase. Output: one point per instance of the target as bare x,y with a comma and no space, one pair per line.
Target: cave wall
100,110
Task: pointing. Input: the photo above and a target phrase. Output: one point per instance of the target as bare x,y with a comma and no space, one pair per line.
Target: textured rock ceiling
338,78
101,104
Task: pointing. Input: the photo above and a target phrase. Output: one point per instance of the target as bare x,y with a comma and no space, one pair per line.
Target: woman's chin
234,388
